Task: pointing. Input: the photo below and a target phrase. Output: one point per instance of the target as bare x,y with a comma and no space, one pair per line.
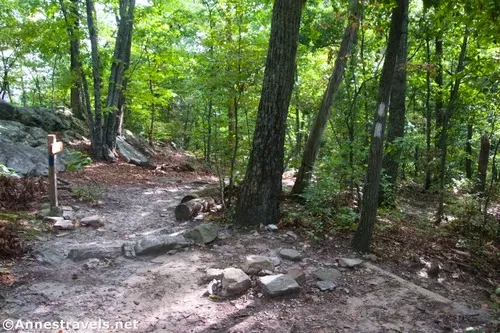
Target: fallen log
190,208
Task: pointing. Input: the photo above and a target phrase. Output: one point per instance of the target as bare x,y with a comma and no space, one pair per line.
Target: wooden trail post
54,147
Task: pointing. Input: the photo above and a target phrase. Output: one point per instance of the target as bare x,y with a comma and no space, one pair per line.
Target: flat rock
94,221
278,285
298,275
235,282
326,285
292,234
204,233
272,227
214,273
159,244
49,257
350,262
99,252
254,264
328,274
290,254
61,224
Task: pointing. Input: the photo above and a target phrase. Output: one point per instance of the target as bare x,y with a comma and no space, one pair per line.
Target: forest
364,106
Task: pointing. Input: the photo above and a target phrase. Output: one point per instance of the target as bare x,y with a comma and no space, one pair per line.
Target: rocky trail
90,275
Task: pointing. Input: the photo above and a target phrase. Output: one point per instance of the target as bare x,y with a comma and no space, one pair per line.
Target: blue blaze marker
51,160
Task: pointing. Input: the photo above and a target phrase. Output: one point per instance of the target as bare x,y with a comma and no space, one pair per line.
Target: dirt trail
164,294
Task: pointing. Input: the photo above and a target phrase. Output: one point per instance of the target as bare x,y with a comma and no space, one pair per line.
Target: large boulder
44,118
129,154
139,142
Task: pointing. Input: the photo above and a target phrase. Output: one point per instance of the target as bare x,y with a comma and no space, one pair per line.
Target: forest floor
391,292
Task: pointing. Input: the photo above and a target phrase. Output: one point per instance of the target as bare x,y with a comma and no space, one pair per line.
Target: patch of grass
87,193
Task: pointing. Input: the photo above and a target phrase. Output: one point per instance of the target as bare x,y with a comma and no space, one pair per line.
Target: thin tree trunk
363,236
97,142
74,51
428,118
314,139
444,132
259,198
468,152
482,162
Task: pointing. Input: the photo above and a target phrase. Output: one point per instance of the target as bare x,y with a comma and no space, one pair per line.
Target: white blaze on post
54,147
381,109
378,130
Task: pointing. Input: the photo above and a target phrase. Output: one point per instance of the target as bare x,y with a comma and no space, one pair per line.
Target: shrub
19,193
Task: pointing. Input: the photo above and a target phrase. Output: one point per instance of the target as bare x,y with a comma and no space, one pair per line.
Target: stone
214,287
298,275
275,260
290,254
203,234
68,214
328,274
235,282
49,256
350,263
292,235
326,285
99,252
160,244
139,142
94,221
129,154
128,250
272,227
214,273
253,264
279,285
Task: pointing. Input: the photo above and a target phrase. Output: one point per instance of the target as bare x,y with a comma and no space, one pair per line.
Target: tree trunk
75,64
121,61
314,139
482,163
428,118
468,152
444,132
397,116
363,236
97,138
258,202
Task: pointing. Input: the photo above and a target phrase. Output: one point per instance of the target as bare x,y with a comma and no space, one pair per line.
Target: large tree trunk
97,138
314,139
121,61
397,117
363,237
443,142
258,202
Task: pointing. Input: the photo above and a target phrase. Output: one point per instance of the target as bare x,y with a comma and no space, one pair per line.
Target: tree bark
482,163
397,116
97,142
314,139
258,202
444,132
428,118
121,61
363,237
468,152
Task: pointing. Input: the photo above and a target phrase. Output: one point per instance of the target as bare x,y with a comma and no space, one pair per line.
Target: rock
129,154
128,250
99,252
298,275
160,244
275,260
350,262
290,254
278,285
265,272
139,142
204,233
328,274
235,282
94,221
370,257
214,287
434,269
326,285
63,224
214,273
272,227
49,257
254,264
292,235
